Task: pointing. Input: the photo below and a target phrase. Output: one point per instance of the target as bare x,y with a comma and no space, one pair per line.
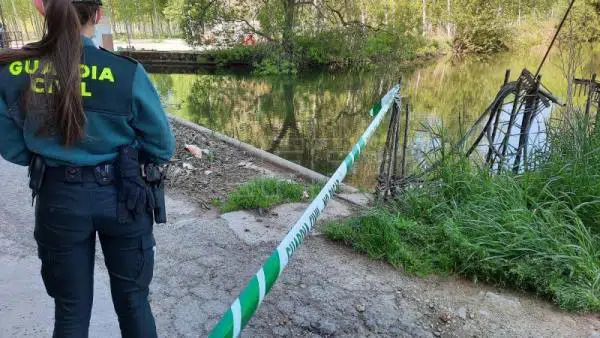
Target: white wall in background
103,36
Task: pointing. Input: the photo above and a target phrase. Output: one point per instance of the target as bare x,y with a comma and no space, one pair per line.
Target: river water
315,119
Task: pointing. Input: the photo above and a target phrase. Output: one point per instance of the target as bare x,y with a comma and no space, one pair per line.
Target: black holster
37,170
155,177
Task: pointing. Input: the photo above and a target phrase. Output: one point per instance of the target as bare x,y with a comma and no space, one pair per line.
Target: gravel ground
217,173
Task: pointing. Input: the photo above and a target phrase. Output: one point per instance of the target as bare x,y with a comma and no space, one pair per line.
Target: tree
280,21
481,27
579,32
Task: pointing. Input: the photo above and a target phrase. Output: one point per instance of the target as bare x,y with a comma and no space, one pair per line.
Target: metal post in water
488,124
387,179
385,149
526,124
391,152
392,175
513,115
530,108
405,142
498,113
387,161
588,105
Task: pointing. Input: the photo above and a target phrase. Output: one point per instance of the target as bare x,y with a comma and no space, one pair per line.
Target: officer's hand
135,196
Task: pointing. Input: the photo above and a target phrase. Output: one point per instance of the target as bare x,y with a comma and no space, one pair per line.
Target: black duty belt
103,174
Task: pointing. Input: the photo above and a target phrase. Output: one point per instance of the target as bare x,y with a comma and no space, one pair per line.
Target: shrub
481,29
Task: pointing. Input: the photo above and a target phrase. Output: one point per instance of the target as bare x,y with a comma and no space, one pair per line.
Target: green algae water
313,119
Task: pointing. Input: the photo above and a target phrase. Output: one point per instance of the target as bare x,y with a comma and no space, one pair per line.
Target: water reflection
315,119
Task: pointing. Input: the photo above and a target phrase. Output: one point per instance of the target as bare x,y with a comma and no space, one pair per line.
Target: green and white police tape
238,315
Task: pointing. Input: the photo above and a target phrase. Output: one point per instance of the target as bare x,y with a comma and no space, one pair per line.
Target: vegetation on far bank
334,34
331,51
267,193
537,231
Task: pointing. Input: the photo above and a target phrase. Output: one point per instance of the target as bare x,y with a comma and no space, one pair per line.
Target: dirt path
328,290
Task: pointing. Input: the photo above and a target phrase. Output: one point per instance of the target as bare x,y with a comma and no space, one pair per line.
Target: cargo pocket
146,260
48,271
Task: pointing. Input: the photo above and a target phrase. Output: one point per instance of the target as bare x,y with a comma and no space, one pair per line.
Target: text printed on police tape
312,220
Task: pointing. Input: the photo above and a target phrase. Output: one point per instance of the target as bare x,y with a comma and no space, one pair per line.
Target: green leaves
481,28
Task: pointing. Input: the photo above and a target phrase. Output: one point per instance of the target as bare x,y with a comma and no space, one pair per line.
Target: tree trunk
16,15
128,29
153,25
4,24
385,18
15,24
318,13
169,31
39,23
424,6
34,23
289,122
35,28
449,24
146,31
156,18
113,19
25,28
24,23
288,29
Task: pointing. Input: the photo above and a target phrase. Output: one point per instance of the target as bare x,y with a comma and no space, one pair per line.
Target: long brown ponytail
60,47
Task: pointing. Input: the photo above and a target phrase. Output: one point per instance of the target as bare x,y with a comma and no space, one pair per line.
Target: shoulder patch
121,56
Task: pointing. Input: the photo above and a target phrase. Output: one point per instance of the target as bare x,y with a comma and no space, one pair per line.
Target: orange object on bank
249,39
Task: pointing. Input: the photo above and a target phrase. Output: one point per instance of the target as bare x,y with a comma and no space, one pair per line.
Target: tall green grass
538,231
266,193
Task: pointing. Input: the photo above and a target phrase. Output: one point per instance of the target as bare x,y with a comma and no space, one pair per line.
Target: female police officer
74,106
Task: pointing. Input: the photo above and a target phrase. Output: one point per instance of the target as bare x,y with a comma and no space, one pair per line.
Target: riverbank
536,231
332,51
222,168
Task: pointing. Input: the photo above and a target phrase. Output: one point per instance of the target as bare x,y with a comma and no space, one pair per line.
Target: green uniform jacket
121,107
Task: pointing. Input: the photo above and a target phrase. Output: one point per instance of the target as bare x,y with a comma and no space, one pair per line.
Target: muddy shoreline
221,169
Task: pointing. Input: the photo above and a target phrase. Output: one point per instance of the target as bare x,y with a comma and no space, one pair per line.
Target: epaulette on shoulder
119,55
